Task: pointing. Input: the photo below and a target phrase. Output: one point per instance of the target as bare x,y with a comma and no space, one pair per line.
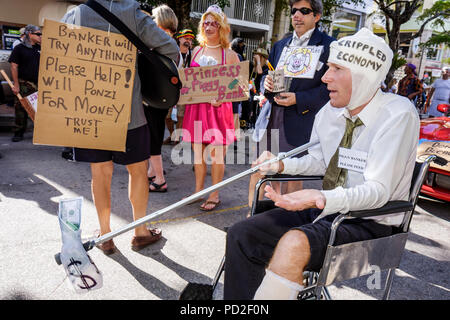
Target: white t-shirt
389,138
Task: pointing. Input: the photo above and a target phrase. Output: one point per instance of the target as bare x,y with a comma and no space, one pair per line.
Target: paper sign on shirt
353,160
300,62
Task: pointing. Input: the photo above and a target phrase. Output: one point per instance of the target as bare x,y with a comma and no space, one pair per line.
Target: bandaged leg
275,287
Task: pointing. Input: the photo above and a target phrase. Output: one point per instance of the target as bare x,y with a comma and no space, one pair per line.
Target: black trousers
251,242
156,119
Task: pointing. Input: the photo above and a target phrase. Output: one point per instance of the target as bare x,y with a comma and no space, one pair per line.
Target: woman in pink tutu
210,125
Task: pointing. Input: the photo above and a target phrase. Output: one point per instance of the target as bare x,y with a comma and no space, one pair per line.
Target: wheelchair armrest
288,177
395,206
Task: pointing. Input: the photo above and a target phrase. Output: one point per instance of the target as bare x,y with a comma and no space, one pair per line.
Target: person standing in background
184,40
166,20
440,93
19,41
410,86
24,60
293,110
210,125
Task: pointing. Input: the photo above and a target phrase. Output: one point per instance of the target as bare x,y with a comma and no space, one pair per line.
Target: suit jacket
311,94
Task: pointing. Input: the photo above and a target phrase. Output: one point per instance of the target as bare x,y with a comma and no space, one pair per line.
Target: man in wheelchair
366,154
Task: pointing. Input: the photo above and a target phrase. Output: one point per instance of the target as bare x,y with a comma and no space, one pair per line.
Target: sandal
158,187
150,179
193,201
214,203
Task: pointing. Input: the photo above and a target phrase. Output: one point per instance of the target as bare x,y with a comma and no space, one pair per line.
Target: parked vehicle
435,138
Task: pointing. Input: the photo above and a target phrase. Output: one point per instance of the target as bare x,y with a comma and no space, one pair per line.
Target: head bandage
368,57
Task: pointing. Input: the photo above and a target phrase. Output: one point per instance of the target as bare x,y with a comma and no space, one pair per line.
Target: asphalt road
34,178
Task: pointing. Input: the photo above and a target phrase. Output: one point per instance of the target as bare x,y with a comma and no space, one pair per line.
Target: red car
435,137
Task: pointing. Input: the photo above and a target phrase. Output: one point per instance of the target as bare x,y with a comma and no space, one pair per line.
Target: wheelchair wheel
197,291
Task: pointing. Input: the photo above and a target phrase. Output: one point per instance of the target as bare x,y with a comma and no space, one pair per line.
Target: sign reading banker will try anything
86,81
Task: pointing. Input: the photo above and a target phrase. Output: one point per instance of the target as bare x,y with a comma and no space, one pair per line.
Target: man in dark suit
293,111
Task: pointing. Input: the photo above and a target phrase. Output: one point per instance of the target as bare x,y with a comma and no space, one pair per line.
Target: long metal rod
200,194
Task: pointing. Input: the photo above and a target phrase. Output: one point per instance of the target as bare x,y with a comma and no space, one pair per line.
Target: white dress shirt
303,39
389,136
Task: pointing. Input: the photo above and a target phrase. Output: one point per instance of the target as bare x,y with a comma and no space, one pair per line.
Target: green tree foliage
398,12
437,15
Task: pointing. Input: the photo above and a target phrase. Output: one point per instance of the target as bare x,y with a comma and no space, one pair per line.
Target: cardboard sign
300,62
224,83
85,87
439,148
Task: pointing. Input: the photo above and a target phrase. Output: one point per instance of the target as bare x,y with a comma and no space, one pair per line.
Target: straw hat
262,52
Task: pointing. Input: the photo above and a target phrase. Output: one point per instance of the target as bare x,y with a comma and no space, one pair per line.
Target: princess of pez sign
223,83
300,62
85,87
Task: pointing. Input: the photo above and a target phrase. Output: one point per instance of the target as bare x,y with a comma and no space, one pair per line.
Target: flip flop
194,201
215,204
158,187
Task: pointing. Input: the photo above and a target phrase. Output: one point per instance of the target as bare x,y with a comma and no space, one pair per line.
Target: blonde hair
165,18
224,30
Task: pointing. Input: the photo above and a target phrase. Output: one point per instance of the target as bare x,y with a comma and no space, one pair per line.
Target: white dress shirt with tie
388,141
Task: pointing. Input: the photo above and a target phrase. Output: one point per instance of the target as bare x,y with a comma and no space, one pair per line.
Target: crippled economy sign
86,81
224,83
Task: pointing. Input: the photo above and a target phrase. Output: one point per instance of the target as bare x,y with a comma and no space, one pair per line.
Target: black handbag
160,83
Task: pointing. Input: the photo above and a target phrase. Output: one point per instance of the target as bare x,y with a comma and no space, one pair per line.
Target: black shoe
68,155
17,137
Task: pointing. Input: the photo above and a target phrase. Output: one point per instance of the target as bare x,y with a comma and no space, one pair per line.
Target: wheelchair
346,261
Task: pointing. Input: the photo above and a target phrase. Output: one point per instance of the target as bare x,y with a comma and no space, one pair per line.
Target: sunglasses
304,11
37,34
213,24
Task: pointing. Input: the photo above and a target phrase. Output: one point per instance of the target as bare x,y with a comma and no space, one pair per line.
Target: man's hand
297,201
285,99
16,88
268,83
268,169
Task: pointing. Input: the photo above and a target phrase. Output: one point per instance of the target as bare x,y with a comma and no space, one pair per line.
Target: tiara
216,9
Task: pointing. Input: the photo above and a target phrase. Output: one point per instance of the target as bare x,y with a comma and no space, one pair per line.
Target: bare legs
137,193
156,170
217,154
291,256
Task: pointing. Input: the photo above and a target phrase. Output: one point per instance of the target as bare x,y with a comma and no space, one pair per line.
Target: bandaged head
368,57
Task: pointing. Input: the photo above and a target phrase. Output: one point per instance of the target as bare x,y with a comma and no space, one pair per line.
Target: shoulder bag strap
116,22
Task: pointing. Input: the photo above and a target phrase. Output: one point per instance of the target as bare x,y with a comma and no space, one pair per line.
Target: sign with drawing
85,87
224,83
300,62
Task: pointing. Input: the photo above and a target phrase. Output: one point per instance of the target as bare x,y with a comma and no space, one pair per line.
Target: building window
345,24
434,53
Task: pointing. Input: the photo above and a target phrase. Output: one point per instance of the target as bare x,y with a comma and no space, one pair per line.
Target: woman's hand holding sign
215,103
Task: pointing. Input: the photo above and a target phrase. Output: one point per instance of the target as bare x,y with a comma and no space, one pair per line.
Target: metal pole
200,194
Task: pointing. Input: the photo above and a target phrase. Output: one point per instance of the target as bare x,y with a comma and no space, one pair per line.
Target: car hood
435,129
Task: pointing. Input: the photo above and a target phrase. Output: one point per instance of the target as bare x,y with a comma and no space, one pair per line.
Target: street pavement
33,178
